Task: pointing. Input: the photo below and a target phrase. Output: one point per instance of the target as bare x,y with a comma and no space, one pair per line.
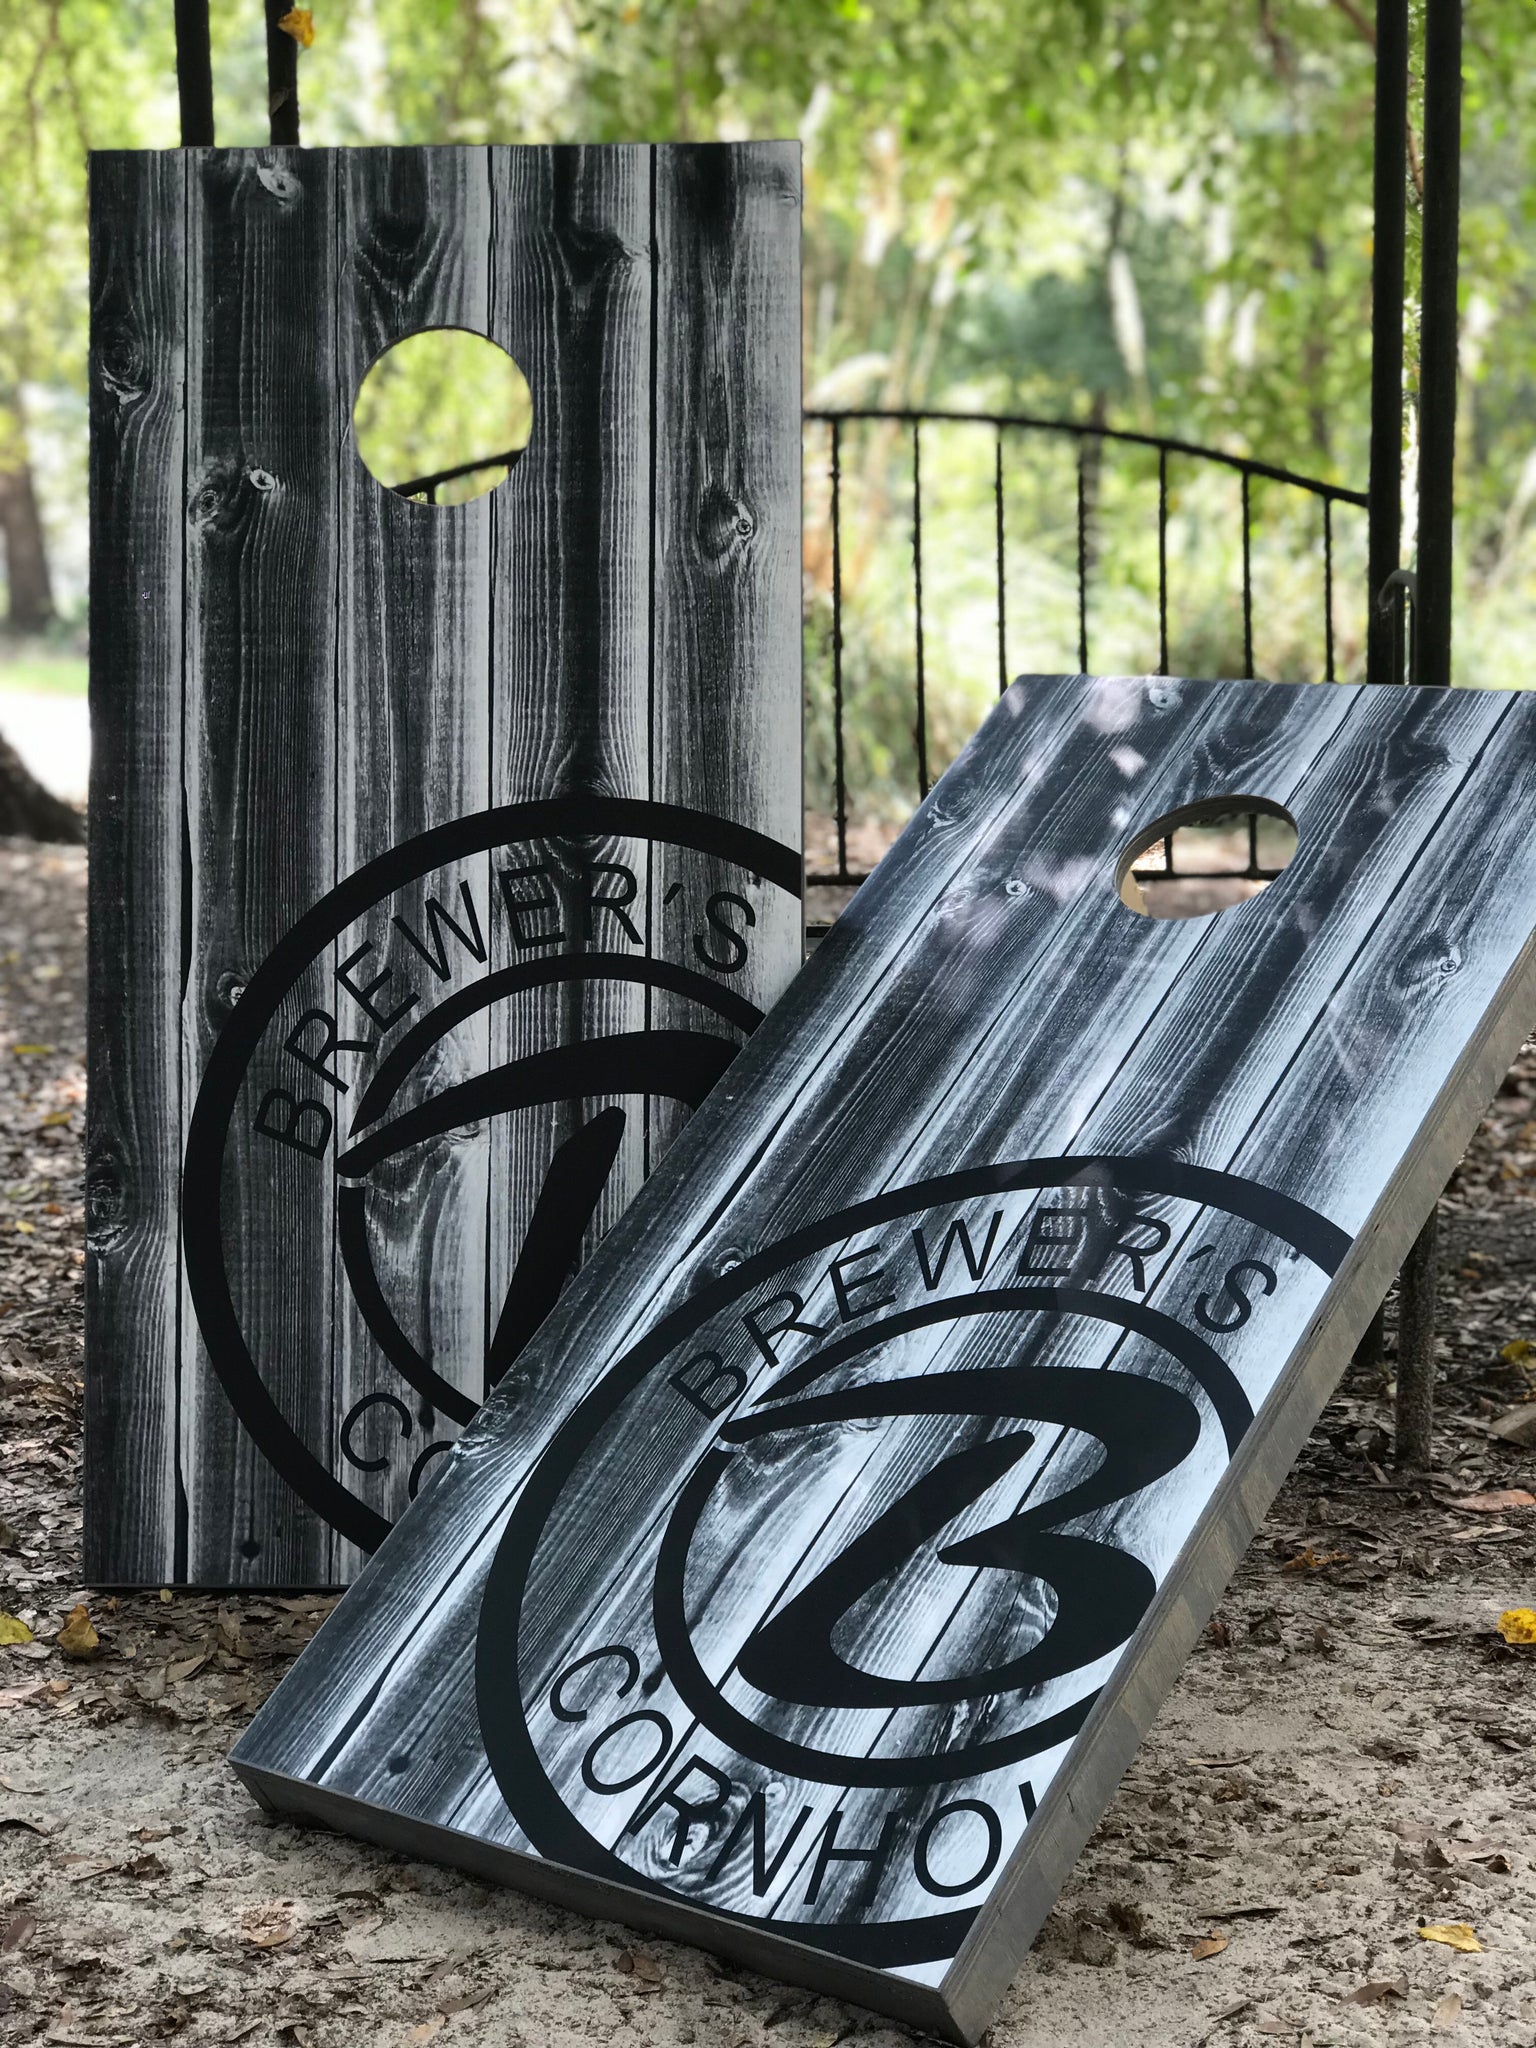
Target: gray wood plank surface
133,1517
574,302
264,405
727,572
413,707
811,1583
427,999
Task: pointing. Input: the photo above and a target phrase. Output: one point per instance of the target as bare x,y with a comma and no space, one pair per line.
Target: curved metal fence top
1089,438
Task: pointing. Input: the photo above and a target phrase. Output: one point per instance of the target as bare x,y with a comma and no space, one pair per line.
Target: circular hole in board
442,415
1205,857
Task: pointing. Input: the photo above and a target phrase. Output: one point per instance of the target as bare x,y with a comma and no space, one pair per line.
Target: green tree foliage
1149,215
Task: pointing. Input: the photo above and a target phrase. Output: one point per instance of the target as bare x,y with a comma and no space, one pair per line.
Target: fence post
1432,611
194,74
282,77
1383,644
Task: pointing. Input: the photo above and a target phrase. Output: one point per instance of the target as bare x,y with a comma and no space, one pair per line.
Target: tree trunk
27,810
26,555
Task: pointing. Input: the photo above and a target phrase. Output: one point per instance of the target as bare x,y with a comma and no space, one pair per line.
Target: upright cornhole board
441,856
808,1584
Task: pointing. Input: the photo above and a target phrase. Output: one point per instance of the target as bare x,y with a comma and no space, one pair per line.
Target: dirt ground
1348,1754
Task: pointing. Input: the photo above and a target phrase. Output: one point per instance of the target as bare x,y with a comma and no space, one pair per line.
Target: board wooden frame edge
1007,1925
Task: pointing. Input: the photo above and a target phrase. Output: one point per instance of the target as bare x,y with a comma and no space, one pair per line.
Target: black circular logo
806,1601
430,1099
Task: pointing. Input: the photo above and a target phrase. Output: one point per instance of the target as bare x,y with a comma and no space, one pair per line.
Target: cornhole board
808,1585
440,856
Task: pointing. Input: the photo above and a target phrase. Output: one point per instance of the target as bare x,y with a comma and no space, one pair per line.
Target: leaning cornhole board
441,856
812,1577
806,1587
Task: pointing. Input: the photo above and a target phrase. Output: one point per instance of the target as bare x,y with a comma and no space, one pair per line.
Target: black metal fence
1090,443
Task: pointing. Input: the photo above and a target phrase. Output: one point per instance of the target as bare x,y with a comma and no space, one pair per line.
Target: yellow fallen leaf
1212,1945
77,1638
1516,1352
299,22
23,1051
1455,1934
53,1118
26,1229
13,1631
1518,1625
1309,1560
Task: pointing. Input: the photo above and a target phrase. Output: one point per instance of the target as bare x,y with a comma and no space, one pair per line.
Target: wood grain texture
1012,1261
424,1002
264,401
571,630
413,706
727,571
133,1261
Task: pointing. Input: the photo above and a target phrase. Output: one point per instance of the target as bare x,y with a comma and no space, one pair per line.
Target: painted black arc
1146,1427
1101,1600
548,1823
684,1065
582,817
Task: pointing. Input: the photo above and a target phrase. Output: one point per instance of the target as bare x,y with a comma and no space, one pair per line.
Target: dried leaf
31,1051
299,22
1256,1909
147,1866
1448,2011
53,1119
1212,1945
1455,1934
427,2028
77,1638
1495,1503
1518,1625
269,1924
1516,1352
13,1631
1309,1560
16,1933
1517,1425
1378,1991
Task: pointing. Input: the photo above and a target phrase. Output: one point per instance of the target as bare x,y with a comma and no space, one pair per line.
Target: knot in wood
120,363
1430,960
724,522
105,1205
215,502
283,185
